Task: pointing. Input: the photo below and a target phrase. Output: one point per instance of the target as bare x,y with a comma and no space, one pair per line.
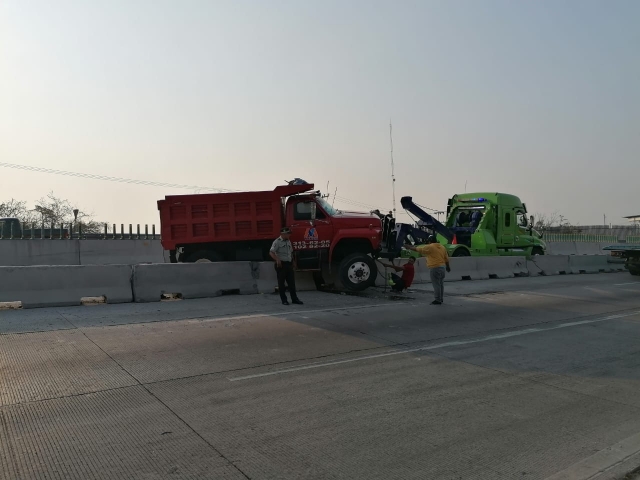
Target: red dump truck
337,246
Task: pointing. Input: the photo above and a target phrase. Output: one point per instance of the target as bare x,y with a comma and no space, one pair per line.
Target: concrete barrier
39,252
41,286
588,248
617,267
267,280
502,267
561,248
576,248
79,252
616,264
56,286
465,268
193,280
109,252
589,264
549,265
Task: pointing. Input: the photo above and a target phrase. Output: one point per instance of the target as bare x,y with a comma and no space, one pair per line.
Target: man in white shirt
282,253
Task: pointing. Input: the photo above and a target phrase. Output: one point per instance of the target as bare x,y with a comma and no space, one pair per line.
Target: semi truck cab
491,224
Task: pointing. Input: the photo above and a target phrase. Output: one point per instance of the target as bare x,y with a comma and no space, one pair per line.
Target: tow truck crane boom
428,221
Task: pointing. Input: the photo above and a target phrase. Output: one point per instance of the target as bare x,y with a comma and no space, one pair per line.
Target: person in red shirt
408,272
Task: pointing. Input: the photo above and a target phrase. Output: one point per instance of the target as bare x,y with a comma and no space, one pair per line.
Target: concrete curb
607,464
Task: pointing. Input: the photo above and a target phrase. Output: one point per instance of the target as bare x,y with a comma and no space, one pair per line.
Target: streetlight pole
75,220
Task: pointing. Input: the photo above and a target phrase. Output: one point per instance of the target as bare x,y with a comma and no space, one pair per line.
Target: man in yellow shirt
437,261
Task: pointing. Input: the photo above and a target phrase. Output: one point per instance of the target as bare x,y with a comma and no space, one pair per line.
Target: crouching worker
398,283
437,261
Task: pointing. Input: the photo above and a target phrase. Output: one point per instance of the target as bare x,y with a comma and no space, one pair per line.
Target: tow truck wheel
204,256
357,272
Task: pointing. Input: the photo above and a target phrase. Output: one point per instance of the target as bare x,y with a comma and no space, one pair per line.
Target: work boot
436,302
297,301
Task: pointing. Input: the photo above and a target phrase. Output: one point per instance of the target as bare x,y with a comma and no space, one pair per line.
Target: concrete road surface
528,378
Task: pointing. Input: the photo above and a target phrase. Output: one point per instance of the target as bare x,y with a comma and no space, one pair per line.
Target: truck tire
461,252
537,251
357,272
634,270
204,256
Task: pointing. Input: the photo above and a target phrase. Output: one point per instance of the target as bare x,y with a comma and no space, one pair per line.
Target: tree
553,220
51,210
13,209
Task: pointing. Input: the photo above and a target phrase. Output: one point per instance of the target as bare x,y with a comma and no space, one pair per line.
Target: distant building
635,219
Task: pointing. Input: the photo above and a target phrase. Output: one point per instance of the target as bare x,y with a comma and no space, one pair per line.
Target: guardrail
29,231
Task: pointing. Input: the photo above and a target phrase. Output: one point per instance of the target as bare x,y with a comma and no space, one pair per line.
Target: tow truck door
506,225
310,238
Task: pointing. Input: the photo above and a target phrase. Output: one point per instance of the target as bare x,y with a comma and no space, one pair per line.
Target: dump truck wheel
461,252
204,256
357,272
537,251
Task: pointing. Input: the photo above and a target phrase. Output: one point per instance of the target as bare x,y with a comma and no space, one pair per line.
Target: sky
540,99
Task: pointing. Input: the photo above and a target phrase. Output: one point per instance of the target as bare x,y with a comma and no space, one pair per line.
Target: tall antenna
327,195
393,175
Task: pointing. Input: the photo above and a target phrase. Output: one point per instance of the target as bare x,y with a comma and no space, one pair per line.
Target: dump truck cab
490,224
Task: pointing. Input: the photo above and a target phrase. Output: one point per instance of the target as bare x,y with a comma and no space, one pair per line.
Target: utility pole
393,176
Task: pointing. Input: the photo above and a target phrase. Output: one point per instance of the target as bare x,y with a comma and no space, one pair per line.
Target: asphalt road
535,378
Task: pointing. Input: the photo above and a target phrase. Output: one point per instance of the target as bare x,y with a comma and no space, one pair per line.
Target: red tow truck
222,227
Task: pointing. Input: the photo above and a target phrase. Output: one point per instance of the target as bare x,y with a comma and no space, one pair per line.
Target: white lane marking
630,283
455,343
290,312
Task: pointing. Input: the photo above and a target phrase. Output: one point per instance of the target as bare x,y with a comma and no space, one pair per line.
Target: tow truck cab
490,224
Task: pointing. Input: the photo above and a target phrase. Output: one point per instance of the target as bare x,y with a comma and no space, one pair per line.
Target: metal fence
578,237
32,231
633,239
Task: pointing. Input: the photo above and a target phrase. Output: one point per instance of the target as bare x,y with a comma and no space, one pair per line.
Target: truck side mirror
531,221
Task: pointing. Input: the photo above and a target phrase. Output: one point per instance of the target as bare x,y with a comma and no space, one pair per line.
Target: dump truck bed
224,217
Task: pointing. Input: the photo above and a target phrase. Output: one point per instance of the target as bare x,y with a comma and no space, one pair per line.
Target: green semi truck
482,224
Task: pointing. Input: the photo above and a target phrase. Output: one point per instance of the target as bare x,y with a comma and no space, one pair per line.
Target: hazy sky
536,98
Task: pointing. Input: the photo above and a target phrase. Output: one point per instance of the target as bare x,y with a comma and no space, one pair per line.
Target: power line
107,178
151,183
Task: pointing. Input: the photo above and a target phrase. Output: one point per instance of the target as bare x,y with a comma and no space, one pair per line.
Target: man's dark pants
285,274
399,283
